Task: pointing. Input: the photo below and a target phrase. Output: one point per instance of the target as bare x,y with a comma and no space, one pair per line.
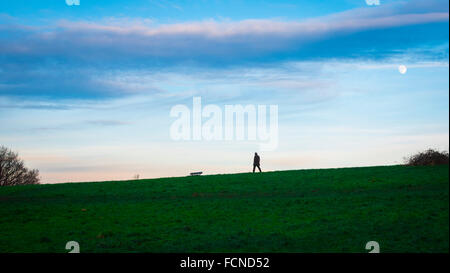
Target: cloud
78,126
64,81
213,42
90,59
107,122
6,103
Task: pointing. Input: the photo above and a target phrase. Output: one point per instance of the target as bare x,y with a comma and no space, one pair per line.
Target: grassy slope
405,209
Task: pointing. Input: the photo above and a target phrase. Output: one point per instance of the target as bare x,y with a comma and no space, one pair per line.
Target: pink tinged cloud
254,27
206,37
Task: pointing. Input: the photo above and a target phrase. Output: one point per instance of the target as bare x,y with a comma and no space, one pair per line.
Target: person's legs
254,168
259,168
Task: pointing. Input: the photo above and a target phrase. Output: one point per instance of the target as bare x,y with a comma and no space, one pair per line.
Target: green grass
404,209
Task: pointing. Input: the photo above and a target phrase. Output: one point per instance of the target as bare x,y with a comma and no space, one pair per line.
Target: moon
402,69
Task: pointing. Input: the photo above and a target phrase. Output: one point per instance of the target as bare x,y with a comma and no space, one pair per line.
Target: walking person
256,162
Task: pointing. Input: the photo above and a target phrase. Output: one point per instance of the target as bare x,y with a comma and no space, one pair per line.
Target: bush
13,171
429,157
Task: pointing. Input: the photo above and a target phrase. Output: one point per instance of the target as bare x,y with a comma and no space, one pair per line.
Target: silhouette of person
256,162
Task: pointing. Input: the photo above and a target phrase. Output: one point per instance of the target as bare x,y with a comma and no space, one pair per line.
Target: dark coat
256,160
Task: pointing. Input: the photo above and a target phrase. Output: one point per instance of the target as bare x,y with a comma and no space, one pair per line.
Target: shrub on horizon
429,157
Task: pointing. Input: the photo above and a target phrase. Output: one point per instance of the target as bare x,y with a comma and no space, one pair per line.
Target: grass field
404,209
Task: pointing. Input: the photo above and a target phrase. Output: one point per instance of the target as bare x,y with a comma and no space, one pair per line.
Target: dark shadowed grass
404,208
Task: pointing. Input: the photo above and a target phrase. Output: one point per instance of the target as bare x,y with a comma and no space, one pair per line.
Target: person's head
256,153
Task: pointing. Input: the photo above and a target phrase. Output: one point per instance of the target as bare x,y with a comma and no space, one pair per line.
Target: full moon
402,69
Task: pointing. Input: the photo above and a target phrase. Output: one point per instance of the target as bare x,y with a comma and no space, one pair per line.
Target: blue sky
168,11
86,91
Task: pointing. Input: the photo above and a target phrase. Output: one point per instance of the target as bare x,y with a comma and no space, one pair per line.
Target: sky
86,90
